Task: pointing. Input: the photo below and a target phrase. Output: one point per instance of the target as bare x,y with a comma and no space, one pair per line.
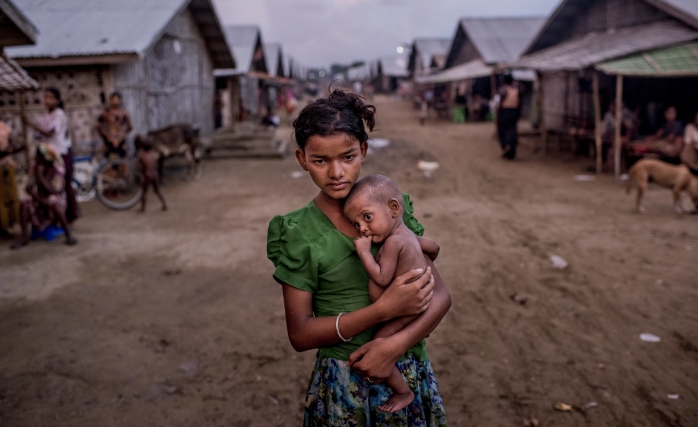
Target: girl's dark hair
339,112
57,94
116,94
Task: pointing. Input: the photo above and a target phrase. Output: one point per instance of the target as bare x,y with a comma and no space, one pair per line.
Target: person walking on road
508,117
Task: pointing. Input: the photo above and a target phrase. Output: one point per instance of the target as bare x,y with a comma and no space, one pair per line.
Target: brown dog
679,178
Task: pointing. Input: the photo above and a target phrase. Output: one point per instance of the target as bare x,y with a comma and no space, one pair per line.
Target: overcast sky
321,32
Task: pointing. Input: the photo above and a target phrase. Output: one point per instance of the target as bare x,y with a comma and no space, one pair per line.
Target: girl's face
50,100
334,162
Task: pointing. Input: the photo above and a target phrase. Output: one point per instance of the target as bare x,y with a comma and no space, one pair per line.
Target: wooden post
25,137
541,112
597,121
619,116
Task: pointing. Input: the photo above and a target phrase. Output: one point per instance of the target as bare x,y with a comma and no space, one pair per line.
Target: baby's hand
362,244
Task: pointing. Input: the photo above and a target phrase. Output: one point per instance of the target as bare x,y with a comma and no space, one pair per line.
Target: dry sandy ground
172,318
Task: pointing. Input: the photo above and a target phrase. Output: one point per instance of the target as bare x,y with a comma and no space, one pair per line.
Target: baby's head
375,207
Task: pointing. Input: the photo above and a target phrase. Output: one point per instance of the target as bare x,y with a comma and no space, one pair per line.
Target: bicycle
117,183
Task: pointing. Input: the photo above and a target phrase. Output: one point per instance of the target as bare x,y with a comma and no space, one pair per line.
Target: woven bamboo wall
173,83
82,90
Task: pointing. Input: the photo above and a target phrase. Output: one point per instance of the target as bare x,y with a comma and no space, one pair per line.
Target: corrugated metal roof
95,27
427,47
501,39
677,61
272,51
19,30
106,27
242,40
394,66
595,47
469,70
13,77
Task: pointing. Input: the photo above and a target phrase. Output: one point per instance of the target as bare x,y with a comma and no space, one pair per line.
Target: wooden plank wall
174,82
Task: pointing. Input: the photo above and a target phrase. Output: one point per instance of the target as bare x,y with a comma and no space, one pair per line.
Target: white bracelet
336,325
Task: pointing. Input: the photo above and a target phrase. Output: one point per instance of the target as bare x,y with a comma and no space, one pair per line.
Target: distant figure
217,111
54,129
423,110
508,117
148,166
608,131
375,206
113,126
46,199
667,142
689,153
358,87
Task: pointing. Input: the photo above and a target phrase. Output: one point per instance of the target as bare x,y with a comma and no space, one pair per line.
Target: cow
178,140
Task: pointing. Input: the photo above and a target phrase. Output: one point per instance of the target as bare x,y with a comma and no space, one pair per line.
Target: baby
148,166
375,207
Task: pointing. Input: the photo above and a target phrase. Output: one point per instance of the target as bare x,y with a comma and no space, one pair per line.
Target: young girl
325,286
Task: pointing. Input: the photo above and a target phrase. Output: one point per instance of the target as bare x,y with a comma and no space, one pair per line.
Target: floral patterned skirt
339,397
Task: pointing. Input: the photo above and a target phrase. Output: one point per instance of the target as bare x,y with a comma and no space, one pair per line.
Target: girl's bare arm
307,332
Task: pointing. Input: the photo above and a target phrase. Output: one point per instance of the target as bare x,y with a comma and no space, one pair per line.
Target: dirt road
172,318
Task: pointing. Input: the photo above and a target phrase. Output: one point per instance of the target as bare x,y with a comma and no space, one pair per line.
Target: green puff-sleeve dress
310,254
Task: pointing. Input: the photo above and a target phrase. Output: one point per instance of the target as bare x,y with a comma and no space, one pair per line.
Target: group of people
672,142
50,198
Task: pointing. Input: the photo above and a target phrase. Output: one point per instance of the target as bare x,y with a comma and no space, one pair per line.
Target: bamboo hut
161,59
479,46
391,74
580,35
422,52
241,87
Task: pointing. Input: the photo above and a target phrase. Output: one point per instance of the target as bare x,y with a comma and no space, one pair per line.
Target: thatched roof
596,47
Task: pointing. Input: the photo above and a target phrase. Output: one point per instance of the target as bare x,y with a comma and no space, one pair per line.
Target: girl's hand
407,299
375,360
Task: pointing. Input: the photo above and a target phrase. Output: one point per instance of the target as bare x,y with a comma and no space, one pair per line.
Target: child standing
375,206
148,166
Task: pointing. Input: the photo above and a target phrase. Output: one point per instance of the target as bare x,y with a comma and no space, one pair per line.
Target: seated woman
666,143
46,201
689,153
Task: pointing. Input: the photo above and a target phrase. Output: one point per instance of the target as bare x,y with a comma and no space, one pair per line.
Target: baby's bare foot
397,402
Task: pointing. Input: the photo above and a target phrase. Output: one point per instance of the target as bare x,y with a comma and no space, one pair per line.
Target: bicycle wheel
119,184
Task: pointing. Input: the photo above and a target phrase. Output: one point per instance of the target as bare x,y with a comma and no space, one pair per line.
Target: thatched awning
13,77
469,70
677,61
